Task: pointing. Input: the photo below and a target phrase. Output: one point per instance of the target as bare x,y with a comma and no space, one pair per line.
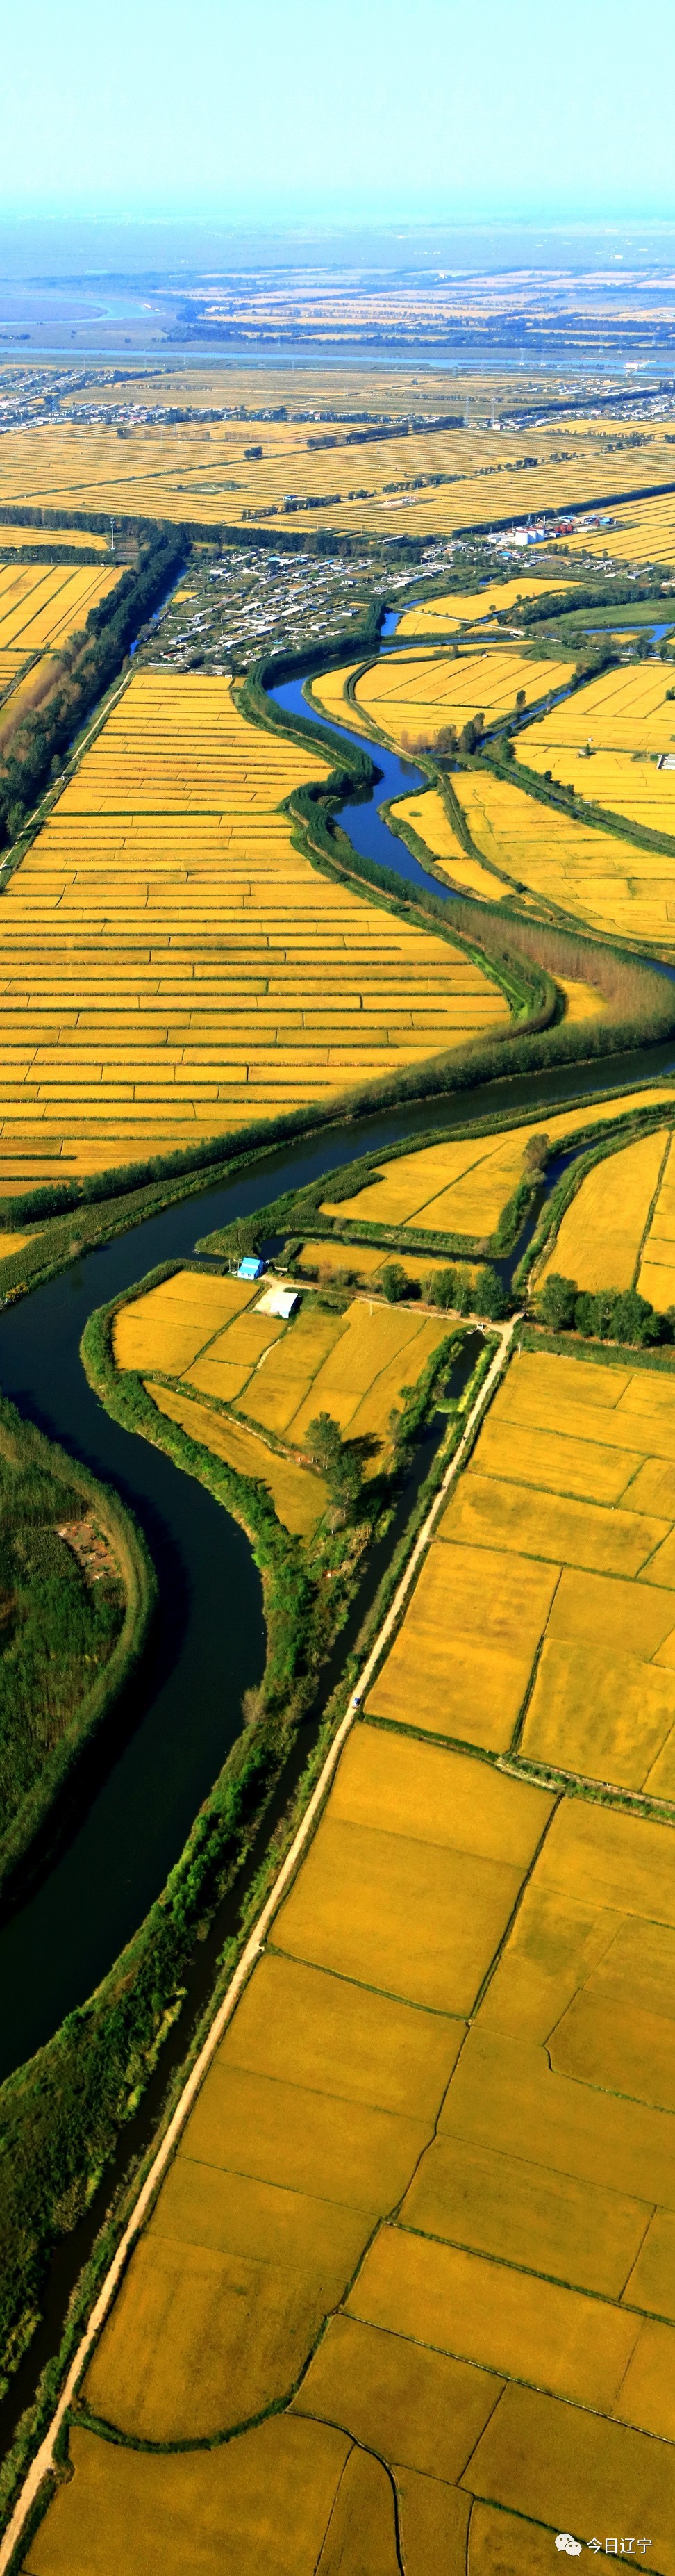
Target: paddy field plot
172,967
595,876
602,1234
625,709
299,1496
656,1276
641,532
631,786
469,607
215,1338
433,2030
328,690
42,604
408,694
428,817
462,1186
363,1261
429,483
23,534
544,1617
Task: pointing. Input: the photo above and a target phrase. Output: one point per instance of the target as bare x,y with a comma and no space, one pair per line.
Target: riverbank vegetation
77,1590
42,739
460,1874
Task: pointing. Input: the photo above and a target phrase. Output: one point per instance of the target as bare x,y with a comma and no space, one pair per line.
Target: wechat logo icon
572,2547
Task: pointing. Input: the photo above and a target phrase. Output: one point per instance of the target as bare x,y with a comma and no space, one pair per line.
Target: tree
337,1461
490,1295
634,1319
520,699
441,1287
557,1302
243,1237
464,1297
393,1282
537,1151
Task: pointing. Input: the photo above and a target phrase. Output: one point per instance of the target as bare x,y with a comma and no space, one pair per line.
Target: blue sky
274,111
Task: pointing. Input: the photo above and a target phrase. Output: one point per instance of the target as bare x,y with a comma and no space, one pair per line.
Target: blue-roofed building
251,1267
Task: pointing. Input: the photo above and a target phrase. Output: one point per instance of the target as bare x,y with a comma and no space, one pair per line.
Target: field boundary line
44,2457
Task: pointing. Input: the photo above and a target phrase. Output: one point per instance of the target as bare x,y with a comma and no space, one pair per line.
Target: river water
183,1711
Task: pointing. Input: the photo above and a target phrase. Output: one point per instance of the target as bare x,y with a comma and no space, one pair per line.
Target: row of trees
612,1315
86,668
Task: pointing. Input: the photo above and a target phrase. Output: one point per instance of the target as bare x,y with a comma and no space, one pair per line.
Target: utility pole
112,536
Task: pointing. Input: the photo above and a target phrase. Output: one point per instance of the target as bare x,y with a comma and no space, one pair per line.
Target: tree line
87,665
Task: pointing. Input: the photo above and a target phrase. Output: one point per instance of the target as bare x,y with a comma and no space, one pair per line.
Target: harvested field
461,1187
171,966
599,1241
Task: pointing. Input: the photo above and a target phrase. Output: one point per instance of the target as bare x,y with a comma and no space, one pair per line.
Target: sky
272,112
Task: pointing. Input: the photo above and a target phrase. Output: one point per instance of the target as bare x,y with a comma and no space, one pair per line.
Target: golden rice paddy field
428,817
187,469
603,1231
22,535
656,1276
593,875
327,691
458,608
415,2254
411,694
626,709
619,1230
641,532
625,783
44,603
216,1338
461,1186
364,1261
170,966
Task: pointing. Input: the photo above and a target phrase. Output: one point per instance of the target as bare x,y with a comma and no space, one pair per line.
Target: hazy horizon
360,115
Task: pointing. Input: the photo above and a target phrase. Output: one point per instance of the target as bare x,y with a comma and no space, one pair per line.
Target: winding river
183,1713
